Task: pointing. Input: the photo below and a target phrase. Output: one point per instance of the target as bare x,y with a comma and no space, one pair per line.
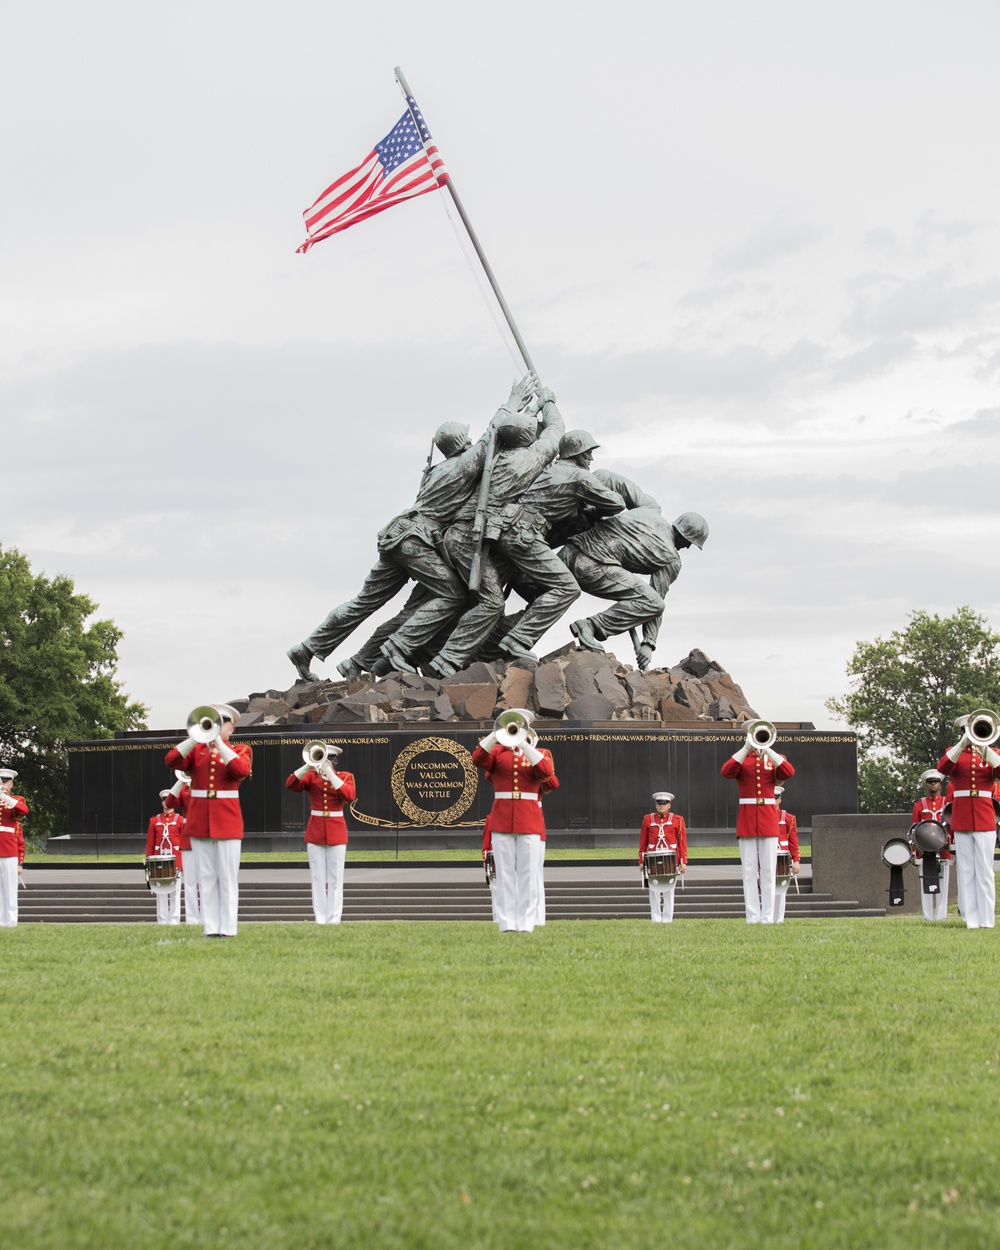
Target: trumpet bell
204,724
315,753
513,726
761,734
983,727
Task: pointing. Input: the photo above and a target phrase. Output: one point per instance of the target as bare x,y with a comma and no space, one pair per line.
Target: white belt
520,794
757,802
314,812
972,794
7,829
215,794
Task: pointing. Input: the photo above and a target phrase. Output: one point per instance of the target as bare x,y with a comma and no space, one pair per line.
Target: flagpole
411,105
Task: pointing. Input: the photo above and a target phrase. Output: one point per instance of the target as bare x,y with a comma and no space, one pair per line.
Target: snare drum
660,867
161,872
784,873
491,869
896,853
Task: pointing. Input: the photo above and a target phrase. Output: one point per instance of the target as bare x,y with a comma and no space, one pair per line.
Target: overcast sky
754,248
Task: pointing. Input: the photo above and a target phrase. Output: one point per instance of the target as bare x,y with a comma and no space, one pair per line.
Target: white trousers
192,889
976,880
780,895
661,903
935,906
326,874
217,863
759,857
8,891
515,856
168,904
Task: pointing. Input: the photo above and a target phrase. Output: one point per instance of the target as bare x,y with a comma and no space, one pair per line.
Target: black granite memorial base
417,785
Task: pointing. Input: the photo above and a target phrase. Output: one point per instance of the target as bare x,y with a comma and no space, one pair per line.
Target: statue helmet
451,438
693,526
517,429
575,443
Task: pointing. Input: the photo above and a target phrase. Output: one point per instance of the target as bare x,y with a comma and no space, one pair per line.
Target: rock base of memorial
569,684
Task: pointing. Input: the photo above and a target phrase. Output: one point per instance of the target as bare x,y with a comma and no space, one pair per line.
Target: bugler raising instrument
983,727
761,734
513,727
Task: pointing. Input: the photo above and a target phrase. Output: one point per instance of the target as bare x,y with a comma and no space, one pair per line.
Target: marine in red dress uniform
214,818
973,771
756,772
12,806
516,824
931,807
163,837
326,832
180,797
663,830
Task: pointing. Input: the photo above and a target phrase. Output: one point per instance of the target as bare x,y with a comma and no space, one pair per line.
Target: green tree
906,691
57,682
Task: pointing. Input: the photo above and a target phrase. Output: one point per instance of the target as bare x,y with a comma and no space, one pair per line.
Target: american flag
402,165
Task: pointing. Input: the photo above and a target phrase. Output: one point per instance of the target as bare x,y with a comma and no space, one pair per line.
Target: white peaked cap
931,774
7,774
663,796
164,793
779,790
227,712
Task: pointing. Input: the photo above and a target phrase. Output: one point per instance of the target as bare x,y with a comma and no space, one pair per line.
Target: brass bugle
761,734
204,724
983,727
314,753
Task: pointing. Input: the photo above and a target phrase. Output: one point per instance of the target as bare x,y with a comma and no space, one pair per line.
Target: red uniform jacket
664,833
756,778
11,837
972,794
163,836
930,808
788,834
328,828
215,817
512,775
179,803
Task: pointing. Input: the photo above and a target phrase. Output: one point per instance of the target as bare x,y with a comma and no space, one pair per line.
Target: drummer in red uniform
516,824
788,844
973,769
180,797
663,830
326,832
11,847
930,807
756,770
214,820
163,837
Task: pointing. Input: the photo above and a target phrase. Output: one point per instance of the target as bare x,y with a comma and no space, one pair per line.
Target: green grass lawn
613,1084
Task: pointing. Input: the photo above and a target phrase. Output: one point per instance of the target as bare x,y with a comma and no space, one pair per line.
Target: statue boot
585,636
300,655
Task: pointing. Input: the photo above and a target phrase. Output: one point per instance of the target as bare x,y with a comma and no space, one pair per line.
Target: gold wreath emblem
405,803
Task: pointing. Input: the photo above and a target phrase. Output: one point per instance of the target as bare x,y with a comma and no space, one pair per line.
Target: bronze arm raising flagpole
478,527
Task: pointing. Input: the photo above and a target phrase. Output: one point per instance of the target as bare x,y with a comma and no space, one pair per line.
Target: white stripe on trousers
759,857
326,876
976,878
8,891
218,867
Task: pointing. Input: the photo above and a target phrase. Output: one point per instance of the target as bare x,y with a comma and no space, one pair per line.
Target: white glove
186,747
333,779
742,753
7,800
531,754
489,742
226,752
773,756
177,787
992,758
954,752
301,772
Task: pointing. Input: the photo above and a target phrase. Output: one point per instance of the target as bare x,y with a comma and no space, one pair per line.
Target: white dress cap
663,796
